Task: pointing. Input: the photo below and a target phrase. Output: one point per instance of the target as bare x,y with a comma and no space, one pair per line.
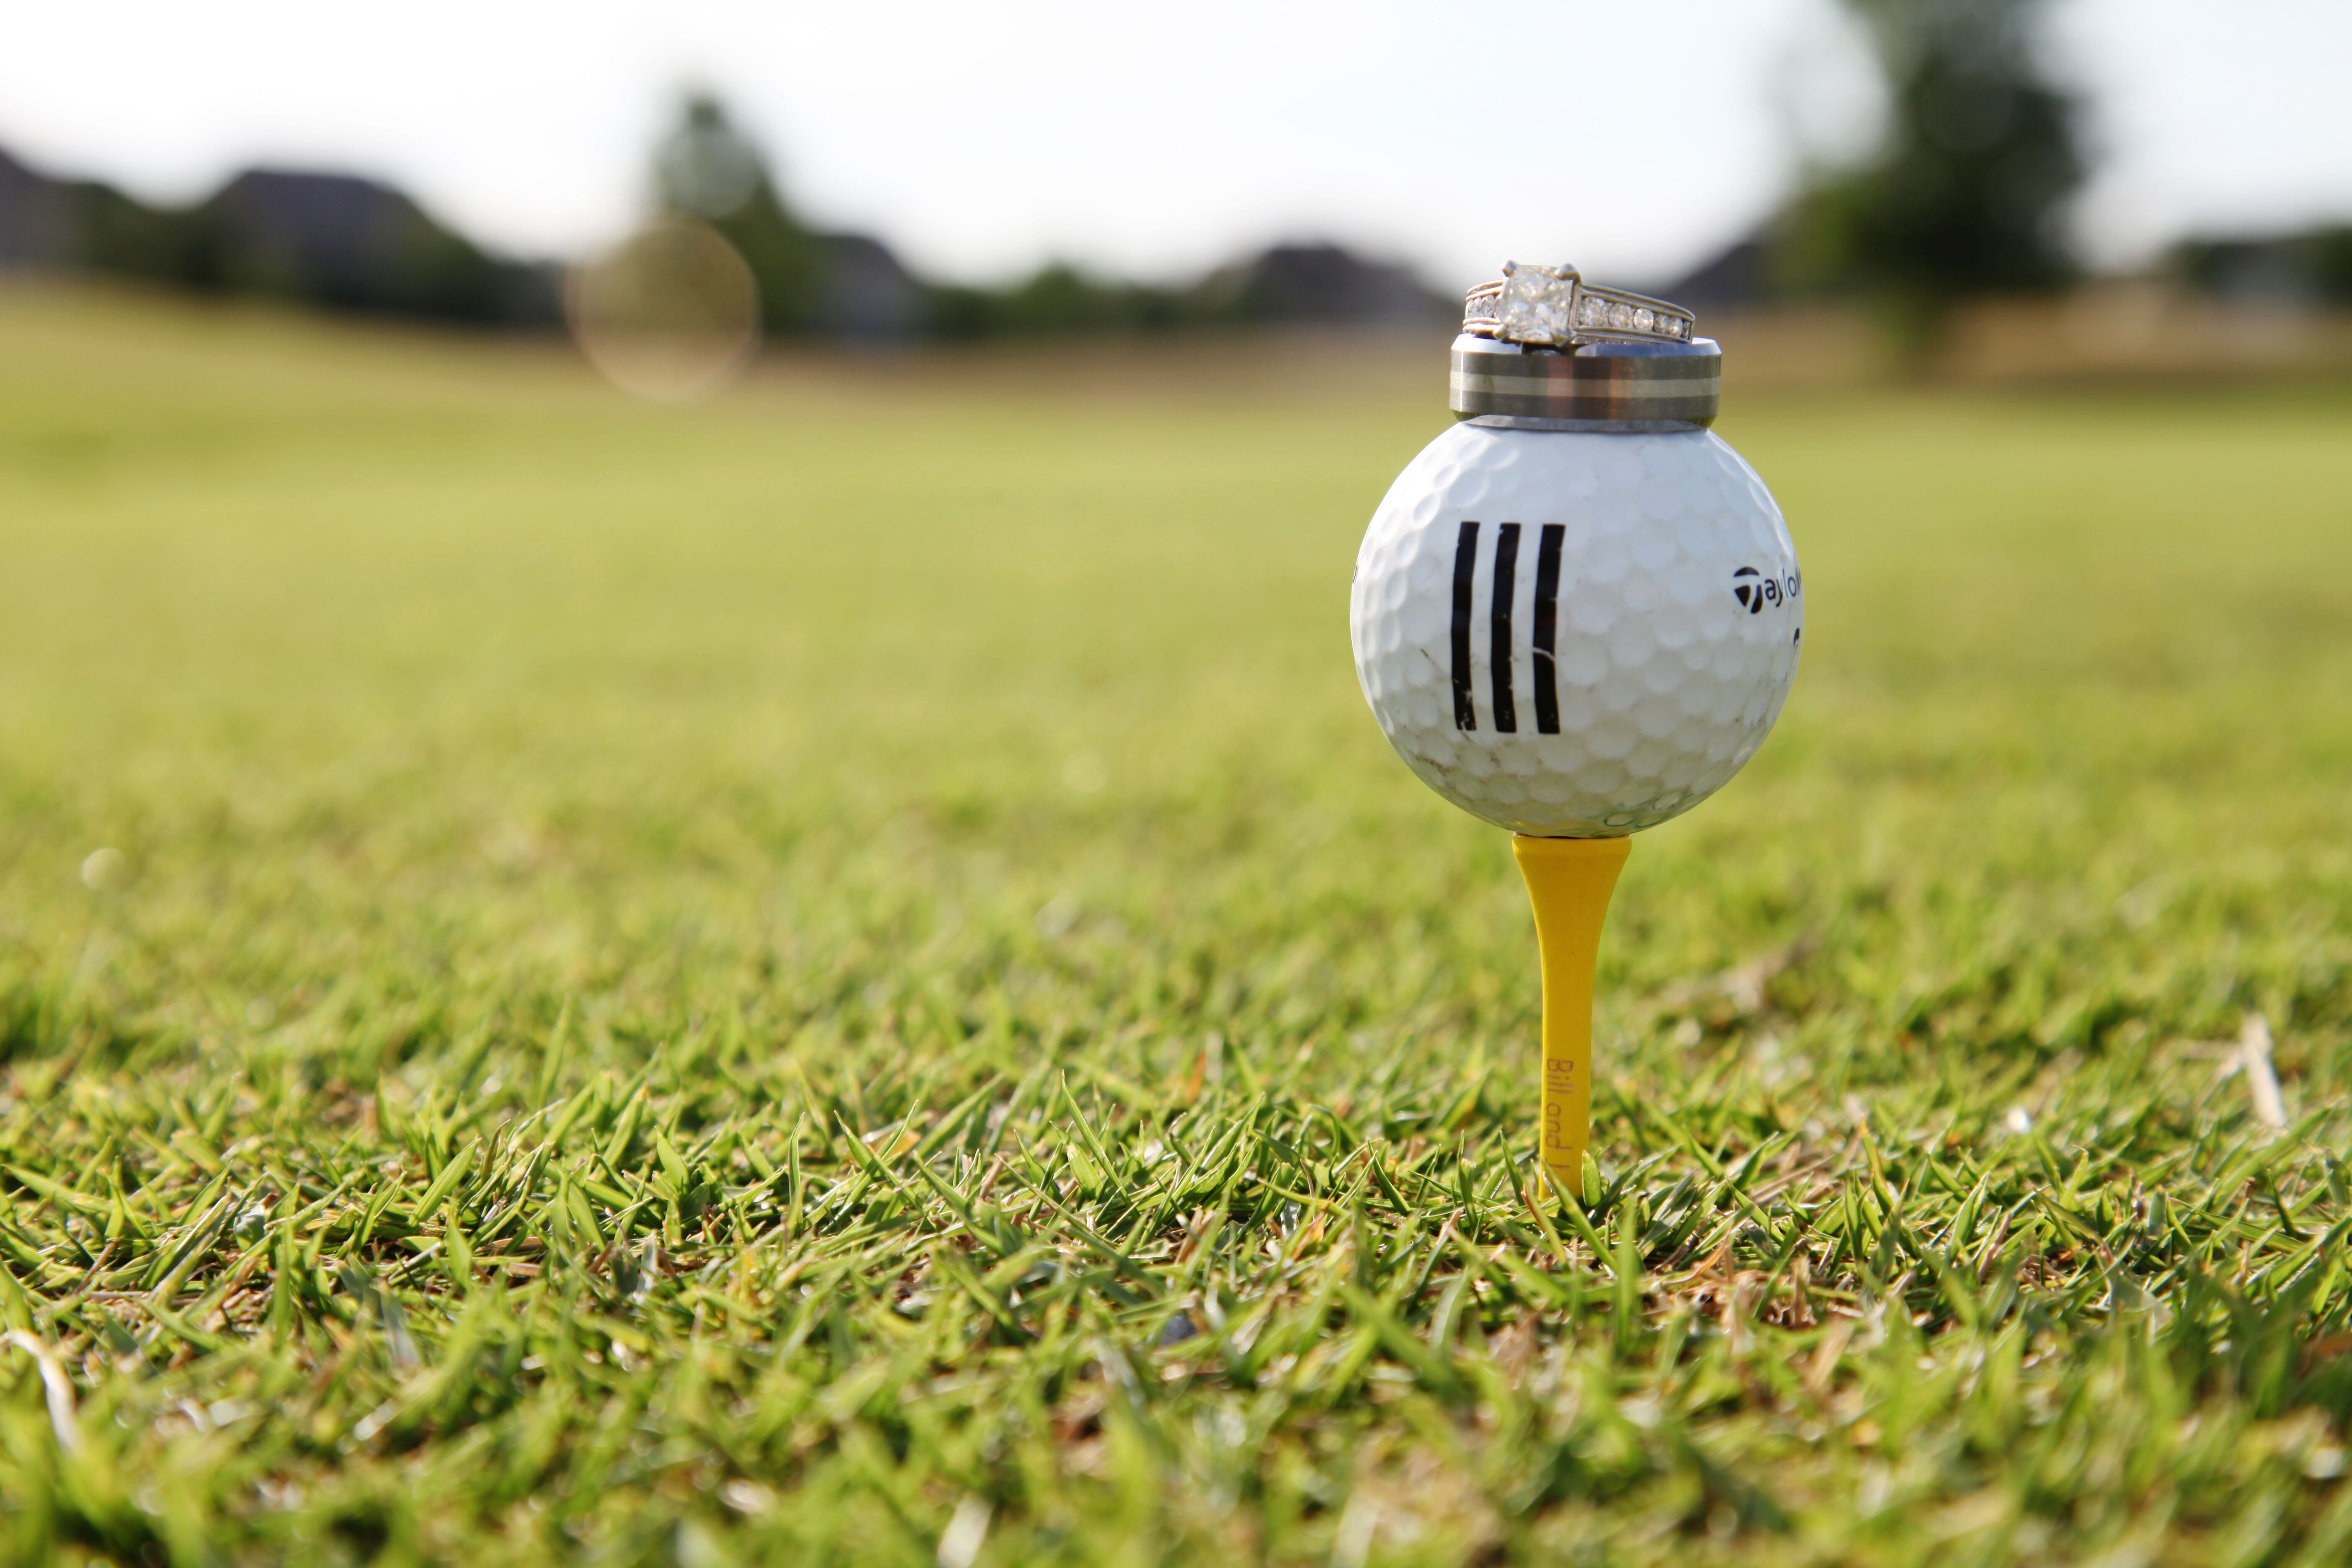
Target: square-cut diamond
1534,306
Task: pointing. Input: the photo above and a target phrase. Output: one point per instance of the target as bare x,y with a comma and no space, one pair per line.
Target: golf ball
1576,635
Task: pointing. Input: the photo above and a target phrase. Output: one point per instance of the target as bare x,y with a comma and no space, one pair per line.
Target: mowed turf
843,976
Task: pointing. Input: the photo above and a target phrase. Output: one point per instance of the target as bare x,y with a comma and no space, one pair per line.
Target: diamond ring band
1553,307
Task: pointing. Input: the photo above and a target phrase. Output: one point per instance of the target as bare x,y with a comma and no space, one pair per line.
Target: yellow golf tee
1569,882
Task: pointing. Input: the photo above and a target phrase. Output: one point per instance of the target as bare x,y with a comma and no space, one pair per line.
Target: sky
980,140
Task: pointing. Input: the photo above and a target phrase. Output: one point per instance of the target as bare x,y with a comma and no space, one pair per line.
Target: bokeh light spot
670,314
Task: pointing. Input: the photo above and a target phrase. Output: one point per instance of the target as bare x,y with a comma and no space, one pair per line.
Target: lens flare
670,314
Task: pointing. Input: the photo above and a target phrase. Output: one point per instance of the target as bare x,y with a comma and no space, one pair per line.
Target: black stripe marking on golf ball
1465,588
1499,625
1546,628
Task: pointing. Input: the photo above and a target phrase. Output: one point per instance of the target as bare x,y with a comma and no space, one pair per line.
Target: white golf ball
1576,635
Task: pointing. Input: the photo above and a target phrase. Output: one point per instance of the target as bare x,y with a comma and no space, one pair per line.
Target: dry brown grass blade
57,1387
2262,1077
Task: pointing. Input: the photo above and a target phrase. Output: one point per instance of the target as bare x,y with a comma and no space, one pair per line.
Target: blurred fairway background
844,974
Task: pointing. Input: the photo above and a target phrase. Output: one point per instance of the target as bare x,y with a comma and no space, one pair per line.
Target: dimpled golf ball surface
1675,616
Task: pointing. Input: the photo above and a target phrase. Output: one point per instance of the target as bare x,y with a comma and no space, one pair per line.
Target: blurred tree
116,233
708,168
334,241
1060,301
1968,192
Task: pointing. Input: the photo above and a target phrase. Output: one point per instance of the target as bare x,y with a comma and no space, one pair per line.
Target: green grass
843,976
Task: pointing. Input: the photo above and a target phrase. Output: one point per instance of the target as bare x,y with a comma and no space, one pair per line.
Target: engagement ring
1553,307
